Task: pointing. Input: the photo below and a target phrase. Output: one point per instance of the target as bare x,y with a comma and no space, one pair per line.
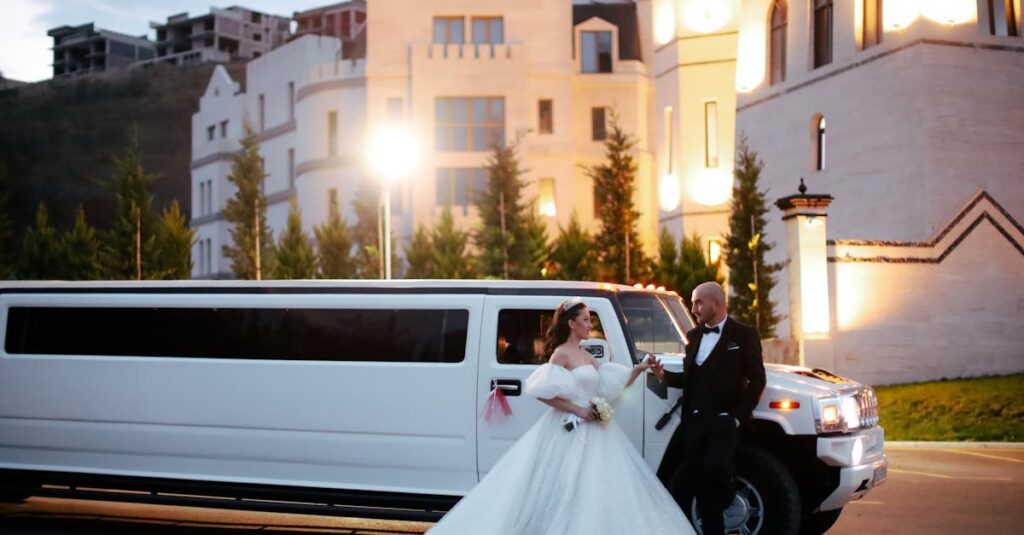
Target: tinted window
650,323
386,335
521,335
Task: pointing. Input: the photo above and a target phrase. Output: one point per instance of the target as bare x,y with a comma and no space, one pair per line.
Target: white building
907,112
462,75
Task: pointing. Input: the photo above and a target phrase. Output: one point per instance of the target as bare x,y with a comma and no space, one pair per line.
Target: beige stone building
908,113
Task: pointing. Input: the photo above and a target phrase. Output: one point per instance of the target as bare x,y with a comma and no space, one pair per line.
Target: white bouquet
603,410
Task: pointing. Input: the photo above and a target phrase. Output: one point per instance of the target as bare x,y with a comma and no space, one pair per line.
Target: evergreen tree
6,224
510,239
573,256
684,268
334,243
174,242
419,255
536,232
750,278
129,244
40,251
81,251
451,261
366,234
244,209
294,256
614,185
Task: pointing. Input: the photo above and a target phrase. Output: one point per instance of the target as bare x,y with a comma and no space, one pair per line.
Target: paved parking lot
935,491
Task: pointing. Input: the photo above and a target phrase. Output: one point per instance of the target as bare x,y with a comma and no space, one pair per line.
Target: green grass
981,409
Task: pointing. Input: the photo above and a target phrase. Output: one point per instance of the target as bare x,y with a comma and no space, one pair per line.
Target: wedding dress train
588,481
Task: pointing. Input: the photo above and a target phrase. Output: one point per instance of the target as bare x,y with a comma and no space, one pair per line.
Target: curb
963,445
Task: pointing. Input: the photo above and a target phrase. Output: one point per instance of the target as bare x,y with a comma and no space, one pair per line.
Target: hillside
59,138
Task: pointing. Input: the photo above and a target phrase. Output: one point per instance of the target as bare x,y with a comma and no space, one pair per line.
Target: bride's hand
585,413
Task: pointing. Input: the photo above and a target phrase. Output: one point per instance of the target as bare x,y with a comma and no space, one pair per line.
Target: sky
25,49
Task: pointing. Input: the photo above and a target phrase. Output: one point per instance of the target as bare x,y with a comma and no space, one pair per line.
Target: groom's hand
656,367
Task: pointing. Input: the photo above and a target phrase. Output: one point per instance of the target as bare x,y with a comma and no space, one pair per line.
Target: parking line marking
944,476
987,456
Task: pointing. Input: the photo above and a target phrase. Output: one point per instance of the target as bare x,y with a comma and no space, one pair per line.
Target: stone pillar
807,253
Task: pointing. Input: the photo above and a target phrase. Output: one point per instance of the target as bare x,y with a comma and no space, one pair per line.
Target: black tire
767,498
819,522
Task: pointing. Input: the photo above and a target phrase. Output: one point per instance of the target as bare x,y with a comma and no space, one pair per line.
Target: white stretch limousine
363,398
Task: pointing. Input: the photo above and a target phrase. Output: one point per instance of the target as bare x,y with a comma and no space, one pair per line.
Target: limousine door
511,348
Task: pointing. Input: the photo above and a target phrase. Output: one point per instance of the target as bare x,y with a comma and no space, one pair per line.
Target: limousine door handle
510,387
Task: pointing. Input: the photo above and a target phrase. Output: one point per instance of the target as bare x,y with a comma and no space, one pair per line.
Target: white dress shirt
708,342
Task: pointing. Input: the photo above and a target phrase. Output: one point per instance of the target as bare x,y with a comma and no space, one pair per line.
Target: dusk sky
25,49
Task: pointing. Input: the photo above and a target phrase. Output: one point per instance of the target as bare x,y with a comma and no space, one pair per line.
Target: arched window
822,32
872,24
778,43
820,144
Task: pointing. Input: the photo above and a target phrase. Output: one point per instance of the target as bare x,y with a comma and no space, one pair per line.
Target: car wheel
767,500
819,522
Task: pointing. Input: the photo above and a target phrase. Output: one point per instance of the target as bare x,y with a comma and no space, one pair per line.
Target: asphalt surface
935,491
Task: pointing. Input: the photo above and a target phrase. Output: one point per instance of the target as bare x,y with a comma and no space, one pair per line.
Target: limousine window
651,324
380,335
521,334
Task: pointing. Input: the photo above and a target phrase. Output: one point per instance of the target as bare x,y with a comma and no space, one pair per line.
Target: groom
722,380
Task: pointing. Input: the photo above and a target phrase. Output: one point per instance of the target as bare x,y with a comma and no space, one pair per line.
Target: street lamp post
392,157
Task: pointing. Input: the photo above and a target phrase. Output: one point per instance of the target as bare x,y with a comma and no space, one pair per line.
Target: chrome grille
868,407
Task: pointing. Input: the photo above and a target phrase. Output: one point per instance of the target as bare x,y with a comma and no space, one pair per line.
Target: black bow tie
714,329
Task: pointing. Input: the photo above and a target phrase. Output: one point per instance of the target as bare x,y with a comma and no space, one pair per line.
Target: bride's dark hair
559,330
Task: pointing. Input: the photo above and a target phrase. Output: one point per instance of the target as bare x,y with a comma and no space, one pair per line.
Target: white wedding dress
589,481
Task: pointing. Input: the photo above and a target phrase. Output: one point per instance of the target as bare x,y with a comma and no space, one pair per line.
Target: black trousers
707,470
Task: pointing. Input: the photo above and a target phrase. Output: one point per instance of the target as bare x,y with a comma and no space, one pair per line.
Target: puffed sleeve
550,381
612,379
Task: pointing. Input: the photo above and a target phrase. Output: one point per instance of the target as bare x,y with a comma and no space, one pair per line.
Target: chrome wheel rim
744,515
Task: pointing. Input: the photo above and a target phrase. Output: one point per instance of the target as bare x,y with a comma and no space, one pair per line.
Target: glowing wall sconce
950,12
751,49
900,14
714,251
706,16
711,186
665,22
546,203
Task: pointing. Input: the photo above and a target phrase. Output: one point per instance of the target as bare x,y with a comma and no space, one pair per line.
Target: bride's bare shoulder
560,357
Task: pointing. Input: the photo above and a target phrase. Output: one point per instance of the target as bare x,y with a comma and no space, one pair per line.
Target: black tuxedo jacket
734,367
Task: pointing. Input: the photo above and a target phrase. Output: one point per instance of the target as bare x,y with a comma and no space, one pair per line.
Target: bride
587,480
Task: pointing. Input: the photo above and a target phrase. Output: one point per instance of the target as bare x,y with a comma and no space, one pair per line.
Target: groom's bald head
709,306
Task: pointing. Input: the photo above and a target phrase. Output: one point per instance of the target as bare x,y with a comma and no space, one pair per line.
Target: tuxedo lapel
692,349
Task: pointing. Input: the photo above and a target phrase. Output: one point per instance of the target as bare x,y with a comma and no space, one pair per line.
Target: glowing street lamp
392,156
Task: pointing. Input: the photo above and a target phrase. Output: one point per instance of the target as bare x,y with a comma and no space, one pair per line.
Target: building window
872,29
210,132
597,124
820,144
257,37
778,44
469,124
263,114
546,197
209,256
202,198
822,32
711,134
332,133
545,116
291,101
209,197
396,111
291,169
715,251
460,186
1002,18
223,129
449,30
488,30
596,51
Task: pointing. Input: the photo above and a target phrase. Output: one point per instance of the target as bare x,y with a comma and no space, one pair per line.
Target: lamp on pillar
810,319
